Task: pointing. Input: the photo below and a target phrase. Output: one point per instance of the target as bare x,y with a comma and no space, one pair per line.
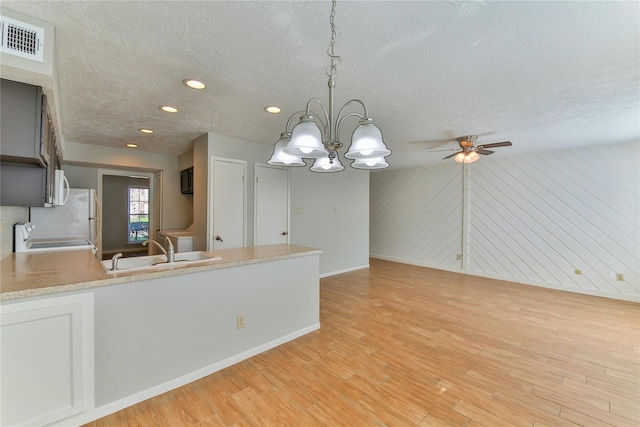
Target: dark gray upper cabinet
23,119
28,155
23,184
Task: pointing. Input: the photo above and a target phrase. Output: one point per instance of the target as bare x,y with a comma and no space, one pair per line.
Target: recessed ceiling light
169,109
272,109
148,131
194,84
131,145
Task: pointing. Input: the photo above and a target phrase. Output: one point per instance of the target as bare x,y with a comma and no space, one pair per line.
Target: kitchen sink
153,262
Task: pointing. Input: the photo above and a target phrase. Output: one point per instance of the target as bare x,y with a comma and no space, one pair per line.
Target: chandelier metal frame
318,137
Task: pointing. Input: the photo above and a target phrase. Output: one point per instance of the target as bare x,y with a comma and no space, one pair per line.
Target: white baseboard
133,399
346,270
556,286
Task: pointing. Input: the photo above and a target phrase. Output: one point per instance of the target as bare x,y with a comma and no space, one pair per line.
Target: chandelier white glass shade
466,157
280,158
326,164
370,163
366,142
306,140
319,139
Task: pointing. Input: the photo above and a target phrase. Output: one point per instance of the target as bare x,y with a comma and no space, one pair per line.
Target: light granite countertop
31,274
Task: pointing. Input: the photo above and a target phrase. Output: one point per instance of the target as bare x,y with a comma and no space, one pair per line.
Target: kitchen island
153,331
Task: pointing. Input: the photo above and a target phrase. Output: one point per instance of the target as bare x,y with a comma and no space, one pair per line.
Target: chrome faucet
171,256
114,261
172,252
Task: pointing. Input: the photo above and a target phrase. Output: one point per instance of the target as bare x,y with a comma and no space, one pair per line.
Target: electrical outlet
458,257
240,321
620,277
298,209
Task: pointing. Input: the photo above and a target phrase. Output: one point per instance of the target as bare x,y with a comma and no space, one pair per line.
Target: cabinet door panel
22,185
47,360
21,109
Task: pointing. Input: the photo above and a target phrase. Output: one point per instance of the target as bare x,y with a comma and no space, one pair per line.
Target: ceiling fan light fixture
469,152
466,157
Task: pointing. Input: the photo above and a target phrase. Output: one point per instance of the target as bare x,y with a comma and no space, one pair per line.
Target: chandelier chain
314,138
332,71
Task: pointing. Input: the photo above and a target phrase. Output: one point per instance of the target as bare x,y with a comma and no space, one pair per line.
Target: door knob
219,239
284,233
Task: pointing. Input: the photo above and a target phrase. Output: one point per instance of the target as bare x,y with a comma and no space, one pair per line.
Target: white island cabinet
46,360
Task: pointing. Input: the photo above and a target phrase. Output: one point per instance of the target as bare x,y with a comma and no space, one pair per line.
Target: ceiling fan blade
485,152
436,151
495,144
448,157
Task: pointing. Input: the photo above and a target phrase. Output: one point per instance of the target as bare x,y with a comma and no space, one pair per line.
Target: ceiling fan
468,151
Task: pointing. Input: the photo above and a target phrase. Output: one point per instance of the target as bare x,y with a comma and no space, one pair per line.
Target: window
138,214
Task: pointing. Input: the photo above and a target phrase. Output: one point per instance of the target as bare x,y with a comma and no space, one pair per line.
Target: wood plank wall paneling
534,219
416,214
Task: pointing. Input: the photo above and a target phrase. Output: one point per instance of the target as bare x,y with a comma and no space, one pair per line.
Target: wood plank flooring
408,346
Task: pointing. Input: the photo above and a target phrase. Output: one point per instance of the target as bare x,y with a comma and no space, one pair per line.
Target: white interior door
228,198
271,205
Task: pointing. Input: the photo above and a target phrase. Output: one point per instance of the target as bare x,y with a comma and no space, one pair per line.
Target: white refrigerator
76,220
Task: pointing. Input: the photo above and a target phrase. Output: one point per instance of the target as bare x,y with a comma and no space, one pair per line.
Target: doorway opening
128,211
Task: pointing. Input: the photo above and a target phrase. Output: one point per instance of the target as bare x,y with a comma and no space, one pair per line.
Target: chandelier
317,137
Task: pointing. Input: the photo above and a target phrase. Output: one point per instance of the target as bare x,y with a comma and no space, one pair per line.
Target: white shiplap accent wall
534,219
416,216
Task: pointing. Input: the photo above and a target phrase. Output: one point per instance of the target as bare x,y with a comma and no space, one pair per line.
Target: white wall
81,176
200,192
534,219
276,298
330,211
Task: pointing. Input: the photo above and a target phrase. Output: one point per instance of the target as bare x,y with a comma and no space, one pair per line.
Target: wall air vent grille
21,39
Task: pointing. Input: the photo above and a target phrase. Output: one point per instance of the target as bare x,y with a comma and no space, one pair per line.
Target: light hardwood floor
403,346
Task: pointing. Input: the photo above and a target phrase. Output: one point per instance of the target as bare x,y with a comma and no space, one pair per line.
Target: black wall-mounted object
186,181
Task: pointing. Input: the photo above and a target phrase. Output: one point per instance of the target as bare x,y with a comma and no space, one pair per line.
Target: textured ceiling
545,75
